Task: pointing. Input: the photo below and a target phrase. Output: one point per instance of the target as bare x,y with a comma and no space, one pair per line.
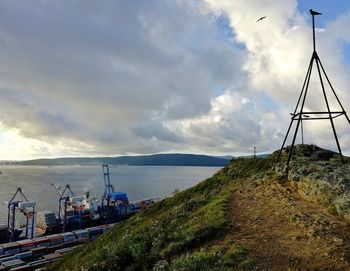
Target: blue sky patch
330,9
267,101
218,90
225,30
227,33
346,53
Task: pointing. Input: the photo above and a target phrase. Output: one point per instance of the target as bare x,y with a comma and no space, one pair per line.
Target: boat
81,212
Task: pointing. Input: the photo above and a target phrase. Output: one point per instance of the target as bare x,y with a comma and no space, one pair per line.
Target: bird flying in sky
260,19
315,12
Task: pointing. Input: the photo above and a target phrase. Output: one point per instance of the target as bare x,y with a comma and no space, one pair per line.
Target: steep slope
246,216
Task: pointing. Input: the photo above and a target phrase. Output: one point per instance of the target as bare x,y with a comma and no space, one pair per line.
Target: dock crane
63,203
27,208
111,199
109,189
76,211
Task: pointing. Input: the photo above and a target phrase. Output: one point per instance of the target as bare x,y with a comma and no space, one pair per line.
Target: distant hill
143,160
227,157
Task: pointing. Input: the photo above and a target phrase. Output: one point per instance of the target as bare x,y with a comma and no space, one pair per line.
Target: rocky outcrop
319,176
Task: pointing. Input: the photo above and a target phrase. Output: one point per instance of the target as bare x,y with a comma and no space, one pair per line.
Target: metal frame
109,188
65,199
108,213
12,205
299,115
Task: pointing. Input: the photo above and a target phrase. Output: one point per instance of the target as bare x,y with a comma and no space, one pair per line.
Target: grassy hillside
185,232
193,229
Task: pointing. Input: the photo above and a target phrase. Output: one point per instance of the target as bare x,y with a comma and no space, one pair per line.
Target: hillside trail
282,231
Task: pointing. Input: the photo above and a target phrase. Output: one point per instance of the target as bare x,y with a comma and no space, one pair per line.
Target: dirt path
284,232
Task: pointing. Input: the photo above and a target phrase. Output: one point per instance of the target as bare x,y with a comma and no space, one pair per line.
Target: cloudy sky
93,78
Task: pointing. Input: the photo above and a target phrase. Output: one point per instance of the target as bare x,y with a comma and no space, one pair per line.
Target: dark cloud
112,77
156,130
93,71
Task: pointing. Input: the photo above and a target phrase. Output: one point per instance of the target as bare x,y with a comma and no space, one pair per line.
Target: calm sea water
139,182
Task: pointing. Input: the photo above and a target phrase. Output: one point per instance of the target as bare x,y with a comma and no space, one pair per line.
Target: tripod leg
335,94
329,111
284,142
308,76
306,83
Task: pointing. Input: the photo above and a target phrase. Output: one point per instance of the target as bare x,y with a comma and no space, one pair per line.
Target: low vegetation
191,231
184,232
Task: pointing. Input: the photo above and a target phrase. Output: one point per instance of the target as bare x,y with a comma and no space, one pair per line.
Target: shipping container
52,249
5,256
11,248
6,259
24,255
68,237
64,250
122,209
26,245
13,263
22,268
41,242
3,233
55,239
39,251
38,264
94,232
52,256
81,234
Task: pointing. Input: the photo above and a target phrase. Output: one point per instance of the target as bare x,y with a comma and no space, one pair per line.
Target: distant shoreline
192,160
99,165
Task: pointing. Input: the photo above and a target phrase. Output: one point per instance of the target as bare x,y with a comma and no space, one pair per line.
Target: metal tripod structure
299,115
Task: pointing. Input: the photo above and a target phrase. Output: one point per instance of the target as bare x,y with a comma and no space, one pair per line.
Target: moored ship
74,212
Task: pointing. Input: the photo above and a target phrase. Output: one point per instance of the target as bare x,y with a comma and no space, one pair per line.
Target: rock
318,176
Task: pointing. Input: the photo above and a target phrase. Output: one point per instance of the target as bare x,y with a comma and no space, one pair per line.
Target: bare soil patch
282,231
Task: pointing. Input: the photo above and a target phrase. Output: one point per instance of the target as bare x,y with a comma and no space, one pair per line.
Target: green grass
188,231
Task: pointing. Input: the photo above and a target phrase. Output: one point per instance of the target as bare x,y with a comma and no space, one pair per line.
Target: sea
139,182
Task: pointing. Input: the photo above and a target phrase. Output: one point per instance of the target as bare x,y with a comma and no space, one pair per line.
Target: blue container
122,210
94,232
24,255
122,196
6,259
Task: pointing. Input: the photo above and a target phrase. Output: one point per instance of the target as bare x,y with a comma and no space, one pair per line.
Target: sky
108,78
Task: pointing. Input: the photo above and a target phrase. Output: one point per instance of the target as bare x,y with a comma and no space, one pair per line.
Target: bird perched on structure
260,19
315,12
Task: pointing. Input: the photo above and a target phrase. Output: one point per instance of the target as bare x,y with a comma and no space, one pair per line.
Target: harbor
45,237
36,253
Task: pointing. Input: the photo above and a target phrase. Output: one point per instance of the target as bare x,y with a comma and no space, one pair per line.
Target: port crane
111,200
109,188
27,208
63,203
75,211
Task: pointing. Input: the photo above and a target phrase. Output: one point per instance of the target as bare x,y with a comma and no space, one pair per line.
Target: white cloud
80,77
279,49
